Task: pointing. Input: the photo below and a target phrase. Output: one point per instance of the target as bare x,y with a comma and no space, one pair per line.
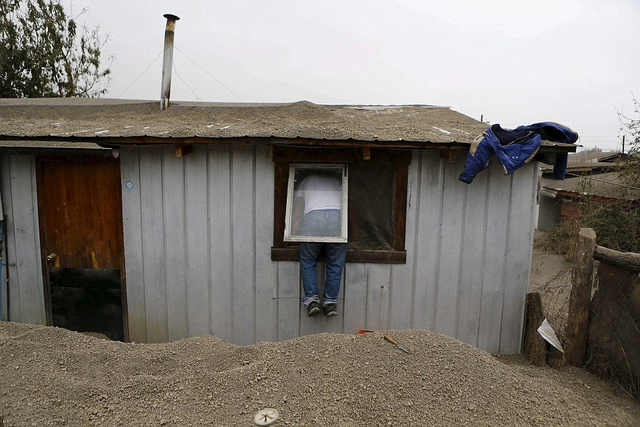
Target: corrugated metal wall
22,292
199,229
198,234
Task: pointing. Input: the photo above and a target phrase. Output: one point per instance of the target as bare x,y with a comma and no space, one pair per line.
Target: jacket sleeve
477,161
560,167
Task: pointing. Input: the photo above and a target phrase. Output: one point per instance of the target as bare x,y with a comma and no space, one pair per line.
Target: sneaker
313,308
330,310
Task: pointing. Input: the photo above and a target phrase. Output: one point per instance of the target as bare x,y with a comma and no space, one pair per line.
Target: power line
182,80
179,77
209,74
140,76
591,177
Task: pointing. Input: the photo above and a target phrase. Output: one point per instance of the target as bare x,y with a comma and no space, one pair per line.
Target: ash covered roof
112,121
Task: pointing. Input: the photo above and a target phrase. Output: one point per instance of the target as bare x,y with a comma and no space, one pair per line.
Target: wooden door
80,212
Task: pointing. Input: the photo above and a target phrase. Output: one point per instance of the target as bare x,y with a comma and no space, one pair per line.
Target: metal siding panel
472,266
518,262
133,251
356,284
175,263
35,302
414,235
197,250
153,244
396,272
290,310
400,298
377,296
494,258
243,245
6,190
266,279
451,243
428,250
9,244
26,292
23,276
220,242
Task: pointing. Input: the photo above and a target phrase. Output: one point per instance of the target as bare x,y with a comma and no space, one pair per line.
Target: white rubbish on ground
547,332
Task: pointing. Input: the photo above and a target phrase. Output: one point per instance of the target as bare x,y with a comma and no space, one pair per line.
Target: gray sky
575,62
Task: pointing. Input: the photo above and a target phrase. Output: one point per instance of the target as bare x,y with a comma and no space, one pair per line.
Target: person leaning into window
317,204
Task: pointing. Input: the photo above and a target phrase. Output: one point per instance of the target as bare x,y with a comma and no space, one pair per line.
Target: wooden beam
579,300
627,260
292,253
183,150
449,154
535,347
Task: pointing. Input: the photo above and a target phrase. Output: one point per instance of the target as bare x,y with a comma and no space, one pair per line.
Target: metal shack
152,226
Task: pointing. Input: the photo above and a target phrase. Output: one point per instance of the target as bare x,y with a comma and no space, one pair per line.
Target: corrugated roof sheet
591,161
607,185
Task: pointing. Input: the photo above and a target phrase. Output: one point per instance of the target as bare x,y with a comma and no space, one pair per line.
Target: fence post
534,345
579,301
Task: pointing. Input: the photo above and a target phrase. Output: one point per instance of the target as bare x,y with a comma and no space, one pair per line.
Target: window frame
293,168
284,156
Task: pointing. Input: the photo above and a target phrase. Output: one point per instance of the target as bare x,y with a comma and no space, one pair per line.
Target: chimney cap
171,17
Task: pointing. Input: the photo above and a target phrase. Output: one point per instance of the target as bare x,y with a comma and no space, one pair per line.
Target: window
374,182
317,193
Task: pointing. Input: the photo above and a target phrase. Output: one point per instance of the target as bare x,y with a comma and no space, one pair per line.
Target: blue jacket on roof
516,147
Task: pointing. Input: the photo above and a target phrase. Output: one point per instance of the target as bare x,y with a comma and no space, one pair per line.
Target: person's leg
308,259
336,255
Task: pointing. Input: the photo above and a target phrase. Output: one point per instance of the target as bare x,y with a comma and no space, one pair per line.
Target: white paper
549,335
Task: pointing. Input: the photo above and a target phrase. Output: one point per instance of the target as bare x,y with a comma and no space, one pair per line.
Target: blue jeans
322,223
336,253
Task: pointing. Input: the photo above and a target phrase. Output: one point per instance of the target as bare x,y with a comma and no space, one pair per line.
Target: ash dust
52,377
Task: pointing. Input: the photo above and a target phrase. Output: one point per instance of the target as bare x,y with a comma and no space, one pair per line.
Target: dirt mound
51,376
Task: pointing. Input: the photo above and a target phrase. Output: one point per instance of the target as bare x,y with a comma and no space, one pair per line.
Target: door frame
74,157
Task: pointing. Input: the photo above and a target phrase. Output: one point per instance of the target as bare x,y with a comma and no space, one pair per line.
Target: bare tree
631,126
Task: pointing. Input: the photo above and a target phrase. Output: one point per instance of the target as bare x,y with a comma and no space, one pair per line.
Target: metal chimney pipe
167,62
